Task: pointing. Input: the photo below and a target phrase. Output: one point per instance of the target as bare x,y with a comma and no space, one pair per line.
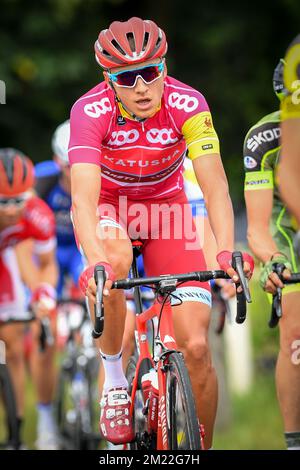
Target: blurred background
226,50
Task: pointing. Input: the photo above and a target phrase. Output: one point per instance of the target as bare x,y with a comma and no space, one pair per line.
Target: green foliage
256,423
225,49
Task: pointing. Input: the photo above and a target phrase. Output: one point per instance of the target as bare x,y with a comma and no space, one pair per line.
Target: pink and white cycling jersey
141,159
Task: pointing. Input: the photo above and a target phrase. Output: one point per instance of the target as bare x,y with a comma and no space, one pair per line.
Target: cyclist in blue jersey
53,185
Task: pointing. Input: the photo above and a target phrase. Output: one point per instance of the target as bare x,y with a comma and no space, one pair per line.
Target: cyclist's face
143,99
10,215
65,173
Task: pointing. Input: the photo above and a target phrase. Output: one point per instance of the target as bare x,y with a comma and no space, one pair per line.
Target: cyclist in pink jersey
26,217
129,137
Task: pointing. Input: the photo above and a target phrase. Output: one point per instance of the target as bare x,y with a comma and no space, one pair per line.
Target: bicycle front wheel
183,425
10,409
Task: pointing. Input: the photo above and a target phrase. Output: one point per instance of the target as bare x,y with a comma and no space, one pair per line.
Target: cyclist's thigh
191,322
290,322
12,334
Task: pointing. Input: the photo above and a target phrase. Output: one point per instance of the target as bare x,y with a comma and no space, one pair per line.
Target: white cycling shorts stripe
14,309
191,294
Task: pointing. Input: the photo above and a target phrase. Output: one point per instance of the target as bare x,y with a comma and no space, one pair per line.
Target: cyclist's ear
108,81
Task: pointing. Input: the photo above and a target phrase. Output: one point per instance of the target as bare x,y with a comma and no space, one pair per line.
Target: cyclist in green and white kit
271,230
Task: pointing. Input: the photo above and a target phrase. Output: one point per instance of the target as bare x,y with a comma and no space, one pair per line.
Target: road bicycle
7,394
12,440
162,404
276,310
75,397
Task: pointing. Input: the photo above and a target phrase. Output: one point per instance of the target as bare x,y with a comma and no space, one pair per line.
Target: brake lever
100,279
237,264
276,312
46,336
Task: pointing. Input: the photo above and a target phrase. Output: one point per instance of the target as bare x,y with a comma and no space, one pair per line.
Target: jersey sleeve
89,121
261,143
200,135
193,119
41,225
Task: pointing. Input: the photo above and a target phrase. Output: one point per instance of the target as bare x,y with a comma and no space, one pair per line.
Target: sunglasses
17,201
128,78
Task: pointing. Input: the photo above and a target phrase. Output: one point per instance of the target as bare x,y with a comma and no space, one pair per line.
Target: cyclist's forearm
220,215
86,224
29,271
261,243
48,273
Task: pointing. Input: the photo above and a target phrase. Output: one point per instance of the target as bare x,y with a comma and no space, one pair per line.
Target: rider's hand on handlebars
224,259
87,282
269,280
43,300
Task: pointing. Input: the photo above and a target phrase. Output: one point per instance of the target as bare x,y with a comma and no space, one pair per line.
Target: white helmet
60,142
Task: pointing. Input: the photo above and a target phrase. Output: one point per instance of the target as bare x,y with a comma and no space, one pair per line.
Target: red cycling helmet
130,42
16,172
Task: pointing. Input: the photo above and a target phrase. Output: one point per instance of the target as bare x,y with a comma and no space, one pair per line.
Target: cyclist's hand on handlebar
43,300
224,259
87,282
269,280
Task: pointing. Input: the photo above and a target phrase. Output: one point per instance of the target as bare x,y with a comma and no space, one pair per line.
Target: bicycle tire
84,437
10,407
182,422
60,409
72,435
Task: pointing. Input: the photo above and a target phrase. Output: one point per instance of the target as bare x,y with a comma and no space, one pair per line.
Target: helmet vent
158,40
24,171
131,41
10,169
146,38
117,46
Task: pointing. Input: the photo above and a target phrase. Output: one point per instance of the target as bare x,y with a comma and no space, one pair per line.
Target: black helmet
278,83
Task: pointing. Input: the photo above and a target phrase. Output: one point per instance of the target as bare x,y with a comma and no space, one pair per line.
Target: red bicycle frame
167,339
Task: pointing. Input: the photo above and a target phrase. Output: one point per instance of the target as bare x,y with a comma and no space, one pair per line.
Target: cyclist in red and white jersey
129,137
24,217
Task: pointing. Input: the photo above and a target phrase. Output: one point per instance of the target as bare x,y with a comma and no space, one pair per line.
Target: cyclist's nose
140,85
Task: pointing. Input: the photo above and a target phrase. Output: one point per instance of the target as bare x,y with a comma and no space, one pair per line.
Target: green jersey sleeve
261,149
